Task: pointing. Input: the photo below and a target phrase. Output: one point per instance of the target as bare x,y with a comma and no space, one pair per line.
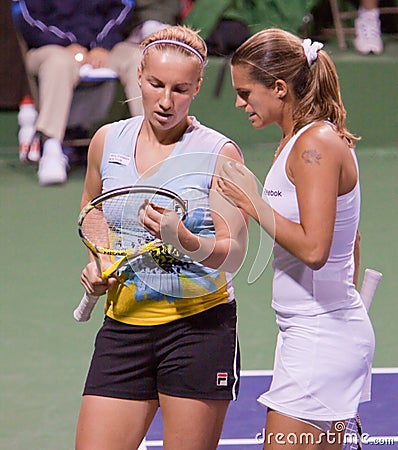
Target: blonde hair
182,35
274,54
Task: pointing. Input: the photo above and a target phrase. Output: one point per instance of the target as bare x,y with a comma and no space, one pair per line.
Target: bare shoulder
93,182
230,150
97,143
321,142
99,135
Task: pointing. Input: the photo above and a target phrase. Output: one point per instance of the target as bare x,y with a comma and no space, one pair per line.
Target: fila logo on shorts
222,379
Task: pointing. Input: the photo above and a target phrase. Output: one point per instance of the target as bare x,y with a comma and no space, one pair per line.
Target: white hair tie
311,50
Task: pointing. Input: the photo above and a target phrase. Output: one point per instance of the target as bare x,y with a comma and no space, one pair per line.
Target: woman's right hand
92,282
79,53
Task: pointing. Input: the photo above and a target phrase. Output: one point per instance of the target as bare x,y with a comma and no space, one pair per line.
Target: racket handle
83,312
369,285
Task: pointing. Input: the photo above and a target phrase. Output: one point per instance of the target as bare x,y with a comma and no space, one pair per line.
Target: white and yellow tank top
156,289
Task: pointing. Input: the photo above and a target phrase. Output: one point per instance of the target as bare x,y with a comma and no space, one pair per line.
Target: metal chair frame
340,16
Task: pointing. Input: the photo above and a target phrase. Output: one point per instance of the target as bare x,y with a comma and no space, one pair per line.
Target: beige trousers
57,73
125,59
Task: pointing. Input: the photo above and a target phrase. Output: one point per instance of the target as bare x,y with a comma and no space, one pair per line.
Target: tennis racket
108,225
353,426
353,434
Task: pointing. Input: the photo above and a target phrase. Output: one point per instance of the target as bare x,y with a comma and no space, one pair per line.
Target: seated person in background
61,36
149,16
368,29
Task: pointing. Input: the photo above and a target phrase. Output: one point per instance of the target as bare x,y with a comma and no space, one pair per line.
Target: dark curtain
13,81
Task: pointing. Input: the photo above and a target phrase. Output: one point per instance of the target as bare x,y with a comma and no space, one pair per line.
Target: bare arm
92,183
92,283
314,166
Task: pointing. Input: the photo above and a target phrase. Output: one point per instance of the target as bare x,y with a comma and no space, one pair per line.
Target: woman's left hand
160,222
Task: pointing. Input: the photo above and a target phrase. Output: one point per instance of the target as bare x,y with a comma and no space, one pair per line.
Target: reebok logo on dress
272,193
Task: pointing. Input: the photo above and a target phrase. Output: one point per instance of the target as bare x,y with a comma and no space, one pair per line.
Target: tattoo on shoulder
311,156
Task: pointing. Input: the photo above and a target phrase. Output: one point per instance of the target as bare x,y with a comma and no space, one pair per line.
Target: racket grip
369,285
83,312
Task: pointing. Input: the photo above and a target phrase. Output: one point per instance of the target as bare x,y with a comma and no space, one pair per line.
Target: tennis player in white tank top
311,206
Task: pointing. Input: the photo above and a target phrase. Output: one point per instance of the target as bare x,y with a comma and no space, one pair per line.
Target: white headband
311,50
179,43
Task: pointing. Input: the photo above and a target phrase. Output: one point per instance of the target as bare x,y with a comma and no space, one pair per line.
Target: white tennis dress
326,342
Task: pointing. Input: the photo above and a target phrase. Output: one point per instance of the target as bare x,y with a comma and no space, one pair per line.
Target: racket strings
353,434
113,225
95,228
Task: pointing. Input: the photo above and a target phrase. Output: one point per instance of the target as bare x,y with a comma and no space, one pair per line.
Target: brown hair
274,54
179,33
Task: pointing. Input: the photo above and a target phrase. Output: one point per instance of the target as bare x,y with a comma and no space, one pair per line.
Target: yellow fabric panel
122,306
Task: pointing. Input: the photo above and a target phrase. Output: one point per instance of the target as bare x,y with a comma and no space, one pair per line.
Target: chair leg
338,26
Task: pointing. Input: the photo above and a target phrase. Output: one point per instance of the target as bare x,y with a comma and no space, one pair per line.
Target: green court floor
44,353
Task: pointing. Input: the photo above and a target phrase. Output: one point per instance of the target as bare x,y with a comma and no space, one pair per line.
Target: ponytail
274,54
321,99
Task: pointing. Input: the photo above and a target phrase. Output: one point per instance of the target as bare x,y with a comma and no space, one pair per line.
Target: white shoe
53,164
368,32
34,150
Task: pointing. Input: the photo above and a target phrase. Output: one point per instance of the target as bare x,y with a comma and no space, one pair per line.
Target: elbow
230,265
316,265
316,259
233,258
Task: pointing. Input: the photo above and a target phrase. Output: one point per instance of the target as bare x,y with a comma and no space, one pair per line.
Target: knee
125,57
61,64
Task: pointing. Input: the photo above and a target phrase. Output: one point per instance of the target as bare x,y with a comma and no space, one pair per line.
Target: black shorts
194,357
